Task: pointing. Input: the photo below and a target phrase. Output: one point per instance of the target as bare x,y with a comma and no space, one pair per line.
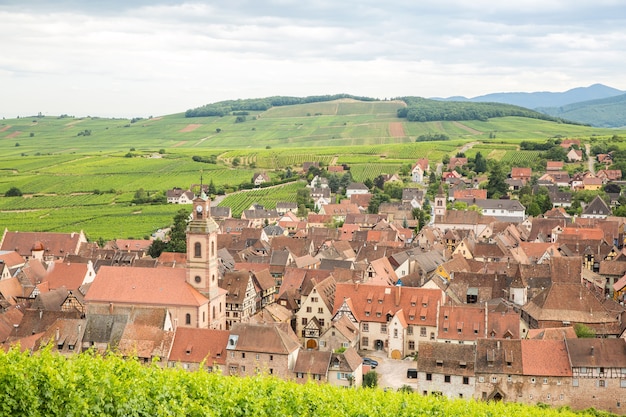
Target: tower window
187,318
198,279
197,250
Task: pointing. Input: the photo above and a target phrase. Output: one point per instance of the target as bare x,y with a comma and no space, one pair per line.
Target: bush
13,192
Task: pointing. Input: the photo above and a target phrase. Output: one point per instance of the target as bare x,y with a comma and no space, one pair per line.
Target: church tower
440,203
202,270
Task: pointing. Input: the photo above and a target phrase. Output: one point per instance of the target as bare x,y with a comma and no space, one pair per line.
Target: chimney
57,334
591,350
40,314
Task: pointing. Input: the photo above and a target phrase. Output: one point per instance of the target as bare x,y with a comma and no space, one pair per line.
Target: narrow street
590,159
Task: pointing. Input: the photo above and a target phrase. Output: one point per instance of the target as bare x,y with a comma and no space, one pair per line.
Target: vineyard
84,385
267,197
520,158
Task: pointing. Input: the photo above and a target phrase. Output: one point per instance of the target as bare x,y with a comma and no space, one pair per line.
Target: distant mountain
545,99
606,112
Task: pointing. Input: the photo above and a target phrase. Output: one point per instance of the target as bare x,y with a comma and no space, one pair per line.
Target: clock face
199,209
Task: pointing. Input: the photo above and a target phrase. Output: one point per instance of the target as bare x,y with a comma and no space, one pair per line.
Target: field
82,173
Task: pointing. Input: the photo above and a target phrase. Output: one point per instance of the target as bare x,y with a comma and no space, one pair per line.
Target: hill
546,99
607,112
85,173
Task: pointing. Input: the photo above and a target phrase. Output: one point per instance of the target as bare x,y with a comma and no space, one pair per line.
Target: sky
140,58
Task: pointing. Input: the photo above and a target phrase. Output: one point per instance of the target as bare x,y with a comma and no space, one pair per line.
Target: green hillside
607,112
47,384
83,173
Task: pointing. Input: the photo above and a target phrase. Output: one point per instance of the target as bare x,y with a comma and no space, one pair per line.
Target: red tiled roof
197,345
151,286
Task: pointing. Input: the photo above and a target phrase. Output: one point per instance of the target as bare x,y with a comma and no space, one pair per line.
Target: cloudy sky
126,58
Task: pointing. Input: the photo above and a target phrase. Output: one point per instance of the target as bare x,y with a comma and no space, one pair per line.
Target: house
502,210
554,166
392,320
470,194
69,275
608,175
316,311
446,369
597,209
457,162
283,207
592,183
568,143
179,196
413,196
346,369
356,188
420,170
575,155
44,246
342,333
262,348
240,297
260,178
522,174
193,348
312,365
597,373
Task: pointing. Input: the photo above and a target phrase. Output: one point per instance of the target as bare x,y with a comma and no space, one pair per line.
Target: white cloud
151,58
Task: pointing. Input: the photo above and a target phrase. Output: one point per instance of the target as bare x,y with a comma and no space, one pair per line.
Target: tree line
223,108
420,109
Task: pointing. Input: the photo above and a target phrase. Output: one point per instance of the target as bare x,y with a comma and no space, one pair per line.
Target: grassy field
83,173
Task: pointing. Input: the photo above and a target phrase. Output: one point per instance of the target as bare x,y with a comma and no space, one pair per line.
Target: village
487,302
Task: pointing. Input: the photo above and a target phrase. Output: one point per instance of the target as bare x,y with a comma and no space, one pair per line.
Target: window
383,328
509,378
198,279
320,310
409,330
533,380
365,341
395,333
315,299
243,355
423,331
309,309
187,318
321,321
481,379
465,380
411,345
601,383
494,379
545,381
439,362
366,327
622,383
257,356
575,382
429,377
548,397
271,357
304,321
197,250
446,378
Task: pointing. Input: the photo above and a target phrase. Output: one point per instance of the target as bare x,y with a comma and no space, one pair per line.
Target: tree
370,379
379,182
480,163
333,183
156,248
13,192
375,202
236,161
583,331
497,186
178,233
211,188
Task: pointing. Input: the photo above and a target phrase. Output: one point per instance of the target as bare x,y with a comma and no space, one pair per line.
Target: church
191,294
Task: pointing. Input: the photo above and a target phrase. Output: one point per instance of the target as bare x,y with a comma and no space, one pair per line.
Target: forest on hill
417,109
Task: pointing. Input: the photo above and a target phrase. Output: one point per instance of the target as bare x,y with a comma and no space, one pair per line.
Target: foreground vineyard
46,384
